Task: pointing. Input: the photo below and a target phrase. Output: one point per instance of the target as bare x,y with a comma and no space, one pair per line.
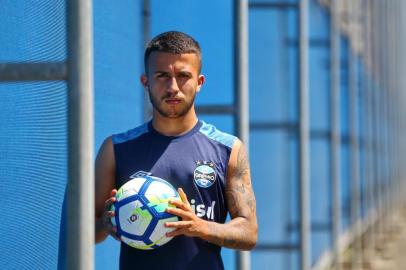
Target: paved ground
383,247
400,255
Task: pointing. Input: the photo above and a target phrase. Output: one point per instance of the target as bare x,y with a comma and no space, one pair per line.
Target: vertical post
378,69
80,191
146,23
382,116
394,105
374,116
241,95
304,162
335,130
354,161
386,99
398,85
369,168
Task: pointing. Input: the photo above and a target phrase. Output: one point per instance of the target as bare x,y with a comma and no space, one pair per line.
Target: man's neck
173,126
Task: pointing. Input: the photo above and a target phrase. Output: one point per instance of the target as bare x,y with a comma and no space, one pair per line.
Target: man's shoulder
213,133
130,134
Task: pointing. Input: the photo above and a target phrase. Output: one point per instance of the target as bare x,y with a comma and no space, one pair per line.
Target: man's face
172,82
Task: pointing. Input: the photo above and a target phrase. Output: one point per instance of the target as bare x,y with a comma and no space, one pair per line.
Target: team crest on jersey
204,174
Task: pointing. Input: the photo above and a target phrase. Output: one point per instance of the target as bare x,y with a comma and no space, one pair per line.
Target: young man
179,148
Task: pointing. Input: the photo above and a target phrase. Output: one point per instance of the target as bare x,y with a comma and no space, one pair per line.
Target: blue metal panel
320,171
33,173
118,92
32,31
33,137
273,99
210,23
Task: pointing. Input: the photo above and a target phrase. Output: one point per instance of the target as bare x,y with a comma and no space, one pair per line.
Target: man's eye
162,75
183,75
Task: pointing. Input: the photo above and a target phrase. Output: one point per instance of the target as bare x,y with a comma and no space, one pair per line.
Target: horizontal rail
288,247
274,5
215,109
47,71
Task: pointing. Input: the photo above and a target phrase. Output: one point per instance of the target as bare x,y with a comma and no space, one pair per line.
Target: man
179,148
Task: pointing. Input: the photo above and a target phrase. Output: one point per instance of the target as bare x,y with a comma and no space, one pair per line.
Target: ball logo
204,174
132,218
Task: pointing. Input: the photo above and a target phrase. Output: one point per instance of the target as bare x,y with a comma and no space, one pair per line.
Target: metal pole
399,100
80,190
401,110
393,106
374,117
387,49
398,73
335,131
378,118
241,95
354,161
363,120
382,100
369,172
304,153
368,139
146,23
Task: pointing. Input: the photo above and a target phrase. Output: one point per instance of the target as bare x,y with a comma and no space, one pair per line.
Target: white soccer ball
140,212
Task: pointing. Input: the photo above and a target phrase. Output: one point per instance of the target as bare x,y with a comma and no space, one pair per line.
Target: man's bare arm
241,231
104,188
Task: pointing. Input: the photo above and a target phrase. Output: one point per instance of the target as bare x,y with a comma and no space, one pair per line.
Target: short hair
173,42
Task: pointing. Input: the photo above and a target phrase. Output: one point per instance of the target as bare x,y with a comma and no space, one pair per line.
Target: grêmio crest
204,174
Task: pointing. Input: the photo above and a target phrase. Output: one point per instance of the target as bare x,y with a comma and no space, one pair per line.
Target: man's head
172,74
173,42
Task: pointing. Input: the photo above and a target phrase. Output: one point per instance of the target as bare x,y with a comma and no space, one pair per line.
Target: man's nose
173,85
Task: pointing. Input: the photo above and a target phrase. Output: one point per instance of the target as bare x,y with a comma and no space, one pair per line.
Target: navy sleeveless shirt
197,162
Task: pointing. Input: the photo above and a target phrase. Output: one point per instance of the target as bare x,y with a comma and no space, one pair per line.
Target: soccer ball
140,212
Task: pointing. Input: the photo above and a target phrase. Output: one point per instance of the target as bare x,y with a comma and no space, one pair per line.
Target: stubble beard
156,104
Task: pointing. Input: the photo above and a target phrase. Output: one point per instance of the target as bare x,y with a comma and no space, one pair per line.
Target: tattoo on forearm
223,238
241,205
239,202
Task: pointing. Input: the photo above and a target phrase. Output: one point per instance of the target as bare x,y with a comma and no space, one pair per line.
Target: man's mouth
173,100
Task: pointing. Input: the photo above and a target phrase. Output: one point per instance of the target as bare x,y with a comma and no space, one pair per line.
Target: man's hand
190,225
107,215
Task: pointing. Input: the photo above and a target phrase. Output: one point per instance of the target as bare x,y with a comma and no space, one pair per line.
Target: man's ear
144,80
200,82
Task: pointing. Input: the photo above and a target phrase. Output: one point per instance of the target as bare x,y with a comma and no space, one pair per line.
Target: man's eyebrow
160,72
184,72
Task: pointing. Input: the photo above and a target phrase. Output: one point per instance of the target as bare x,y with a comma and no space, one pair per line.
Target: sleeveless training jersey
197,162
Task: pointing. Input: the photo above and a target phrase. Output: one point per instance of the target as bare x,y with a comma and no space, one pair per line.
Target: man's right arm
104,188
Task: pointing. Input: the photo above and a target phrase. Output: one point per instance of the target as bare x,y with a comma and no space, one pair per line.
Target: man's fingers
184,214
180,204
175,232
180,228
109,214
113,233
183,196
109,202
178,224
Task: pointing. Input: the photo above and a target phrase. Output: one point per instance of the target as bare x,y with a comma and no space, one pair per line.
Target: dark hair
173,42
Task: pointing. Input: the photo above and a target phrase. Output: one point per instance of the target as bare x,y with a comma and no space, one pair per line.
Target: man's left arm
241,232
